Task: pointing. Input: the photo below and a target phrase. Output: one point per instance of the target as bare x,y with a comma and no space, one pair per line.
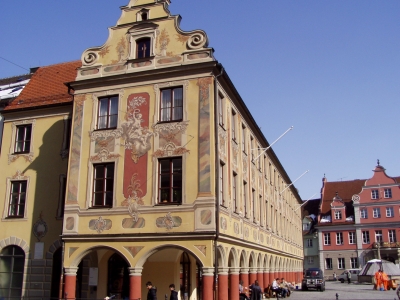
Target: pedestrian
348,277
334,276
242,294
174,294
152,291
256,293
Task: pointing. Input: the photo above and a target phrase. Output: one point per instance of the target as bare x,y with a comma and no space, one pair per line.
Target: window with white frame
352,237
306,226
376,212
170,180
354,262
328,263
327,238
233,125
374,194
221,117
365,237
308,243
378,236
388,193
23,138
17,200
339,238
363,213
234,191
107,113
392,236
171,104
143,47
341,264
221,184
338,214
389,212
103,185
310,260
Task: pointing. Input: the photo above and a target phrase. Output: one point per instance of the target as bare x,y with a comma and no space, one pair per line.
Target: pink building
357,222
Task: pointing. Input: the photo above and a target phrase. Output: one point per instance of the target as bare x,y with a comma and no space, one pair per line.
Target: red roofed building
356,219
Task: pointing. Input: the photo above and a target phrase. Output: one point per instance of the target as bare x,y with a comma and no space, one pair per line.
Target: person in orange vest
378,279
385,280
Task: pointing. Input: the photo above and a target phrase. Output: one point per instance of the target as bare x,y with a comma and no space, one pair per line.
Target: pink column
253,275
266,278
135,283
234,284
260,278
223,284
271,275
208,283
70,282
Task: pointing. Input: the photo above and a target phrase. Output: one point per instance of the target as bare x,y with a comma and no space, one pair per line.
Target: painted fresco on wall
170,139
204,135
137,142
75,150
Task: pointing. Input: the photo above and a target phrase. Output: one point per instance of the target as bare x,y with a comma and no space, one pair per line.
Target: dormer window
338,215
374,194
144,16
143,47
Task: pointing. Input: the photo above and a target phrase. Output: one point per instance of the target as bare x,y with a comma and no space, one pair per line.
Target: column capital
234,270
253,270
223,271
70,271
208,271
244,270
137,271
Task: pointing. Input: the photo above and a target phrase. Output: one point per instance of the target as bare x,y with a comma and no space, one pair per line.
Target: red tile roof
46,86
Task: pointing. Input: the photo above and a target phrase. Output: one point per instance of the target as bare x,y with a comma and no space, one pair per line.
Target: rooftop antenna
265,149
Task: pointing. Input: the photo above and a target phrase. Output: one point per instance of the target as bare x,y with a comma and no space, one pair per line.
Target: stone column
260,278
253,275
70,282
135,283
266,278
234,283
208,283
223,284
244,275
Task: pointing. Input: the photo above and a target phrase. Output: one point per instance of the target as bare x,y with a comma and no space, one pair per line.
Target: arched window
185,275
143,47
12,260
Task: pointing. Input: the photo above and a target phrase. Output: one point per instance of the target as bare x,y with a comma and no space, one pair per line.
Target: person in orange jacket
378,279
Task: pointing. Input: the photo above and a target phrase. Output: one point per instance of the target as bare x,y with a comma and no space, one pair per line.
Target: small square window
107,116
365,236
16,208
392,236
378,236
354,262
374,194
171,106
388,193
143,47
352,237
341,264
376,212
328,263
339,238
389,212
363,213
338,215
23,139
327,238
310,260
309,243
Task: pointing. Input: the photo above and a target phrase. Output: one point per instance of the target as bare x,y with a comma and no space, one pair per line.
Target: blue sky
331,69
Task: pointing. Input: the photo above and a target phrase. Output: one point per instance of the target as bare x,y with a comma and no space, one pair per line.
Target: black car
313,279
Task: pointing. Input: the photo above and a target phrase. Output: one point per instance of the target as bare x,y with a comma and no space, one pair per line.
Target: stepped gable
47,87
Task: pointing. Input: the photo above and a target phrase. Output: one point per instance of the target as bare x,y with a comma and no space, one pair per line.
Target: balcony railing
386,245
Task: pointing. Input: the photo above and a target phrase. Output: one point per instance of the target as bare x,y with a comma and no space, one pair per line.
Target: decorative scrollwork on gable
197,41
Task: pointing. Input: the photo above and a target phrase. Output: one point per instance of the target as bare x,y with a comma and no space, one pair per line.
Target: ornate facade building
356,222
168,177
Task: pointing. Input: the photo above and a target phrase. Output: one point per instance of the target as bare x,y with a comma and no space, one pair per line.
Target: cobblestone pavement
353,291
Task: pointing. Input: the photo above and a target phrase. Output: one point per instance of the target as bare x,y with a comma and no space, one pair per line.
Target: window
233,125
392,236
354,262
12,261
253,200
107,116
309,243
374,194
306,226
327,238
16,208
328,263
352,237
252,149
171,104
244,139
245,199
388,193
389,212
234,190
339,238
170,180
378,236
221,110
143,48
338,214
365,236
103,185
310,260
221,184
23,138
376,212
363,213
340,262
